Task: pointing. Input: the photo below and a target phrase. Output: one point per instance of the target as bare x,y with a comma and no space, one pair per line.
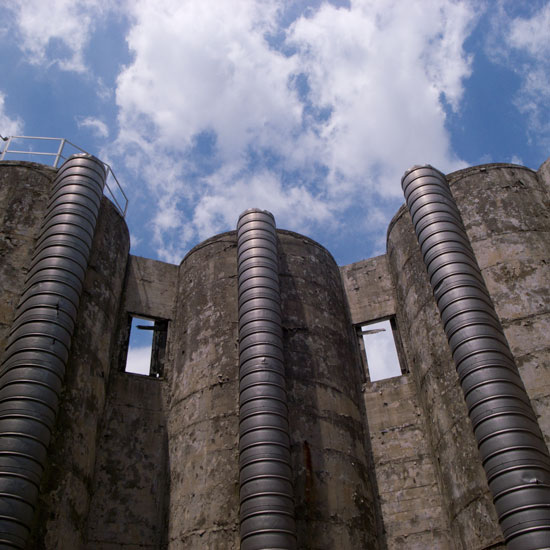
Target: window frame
359,331
158,345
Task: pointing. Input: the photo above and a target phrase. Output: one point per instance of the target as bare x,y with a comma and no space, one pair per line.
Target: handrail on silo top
58,156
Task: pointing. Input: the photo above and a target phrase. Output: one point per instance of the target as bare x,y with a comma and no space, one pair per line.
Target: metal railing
57,153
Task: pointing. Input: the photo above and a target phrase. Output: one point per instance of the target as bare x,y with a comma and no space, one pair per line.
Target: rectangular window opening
146,346
378,341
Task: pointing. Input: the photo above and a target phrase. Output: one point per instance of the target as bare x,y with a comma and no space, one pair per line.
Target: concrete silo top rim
230,237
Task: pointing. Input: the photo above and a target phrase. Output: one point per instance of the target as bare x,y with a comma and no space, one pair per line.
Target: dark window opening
146,347
380,349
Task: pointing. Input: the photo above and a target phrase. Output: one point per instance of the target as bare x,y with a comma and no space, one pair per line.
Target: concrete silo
153,461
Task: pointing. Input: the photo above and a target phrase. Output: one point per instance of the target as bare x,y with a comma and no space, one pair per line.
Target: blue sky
310,109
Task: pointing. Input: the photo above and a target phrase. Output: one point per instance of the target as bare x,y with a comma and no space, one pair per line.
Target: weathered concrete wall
464,489
65,494
427,473
150,288
506,211
202,417
411,503
334,499
410,500
131,482
334,496
128,508
24,191
369,289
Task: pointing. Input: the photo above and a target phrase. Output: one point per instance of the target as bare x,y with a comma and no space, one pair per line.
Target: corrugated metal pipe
509,439
266,494
33,365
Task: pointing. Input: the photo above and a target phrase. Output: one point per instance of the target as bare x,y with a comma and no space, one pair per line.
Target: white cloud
533,34
104,92
9,126
523,45
200,66
219,209
382,67
55,31
134,240
97,126
308,120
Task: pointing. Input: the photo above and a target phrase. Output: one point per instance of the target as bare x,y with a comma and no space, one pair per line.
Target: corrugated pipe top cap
418,167
87,156
259,210
255,214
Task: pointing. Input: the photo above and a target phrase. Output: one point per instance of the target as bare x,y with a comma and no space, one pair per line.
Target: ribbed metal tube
266,495
33,365
512,449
